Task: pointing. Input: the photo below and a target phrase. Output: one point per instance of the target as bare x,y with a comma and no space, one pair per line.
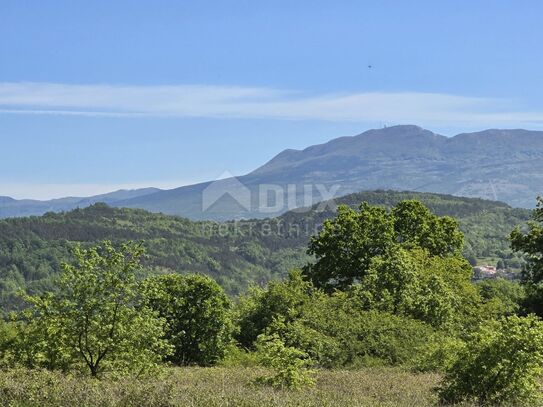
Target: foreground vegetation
217,387
388,292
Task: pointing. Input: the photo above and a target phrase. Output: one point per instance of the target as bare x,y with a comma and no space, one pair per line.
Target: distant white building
485,271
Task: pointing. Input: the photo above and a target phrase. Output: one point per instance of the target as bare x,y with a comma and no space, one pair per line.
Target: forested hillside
234,253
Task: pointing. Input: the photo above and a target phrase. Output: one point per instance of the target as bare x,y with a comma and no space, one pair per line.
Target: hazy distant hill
504,165
10,207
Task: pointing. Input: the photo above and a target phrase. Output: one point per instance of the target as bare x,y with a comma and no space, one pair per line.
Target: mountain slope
493,164
505,165
235,253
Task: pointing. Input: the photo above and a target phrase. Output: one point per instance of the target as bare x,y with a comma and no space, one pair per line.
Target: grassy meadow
210,387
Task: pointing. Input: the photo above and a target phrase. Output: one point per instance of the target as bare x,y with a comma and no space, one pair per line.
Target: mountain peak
394,140
504,165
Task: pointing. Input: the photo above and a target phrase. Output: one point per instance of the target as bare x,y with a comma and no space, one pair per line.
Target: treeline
235,254
383,288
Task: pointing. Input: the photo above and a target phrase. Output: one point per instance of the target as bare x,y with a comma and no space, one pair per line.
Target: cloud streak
258,103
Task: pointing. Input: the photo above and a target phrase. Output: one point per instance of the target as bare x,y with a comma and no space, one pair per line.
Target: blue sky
106,94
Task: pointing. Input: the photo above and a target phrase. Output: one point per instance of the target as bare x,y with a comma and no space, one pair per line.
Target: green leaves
260,308
289,364
530,243
501,364
197,312
345,247
347,243
96,318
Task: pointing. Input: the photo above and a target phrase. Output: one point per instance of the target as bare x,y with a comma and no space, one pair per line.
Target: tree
96,316
501,364
416,226
346,245
197,312
530,243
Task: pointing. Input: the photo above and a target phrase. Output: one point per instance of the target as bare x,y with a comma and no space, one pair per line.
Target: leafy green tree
41,336
416,226
530,243
390,283
502,363
347,244
96,317
444,295
197,312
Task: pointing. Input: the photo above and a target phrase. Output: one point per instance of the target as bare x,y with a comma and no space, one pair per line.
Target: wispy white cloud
259,102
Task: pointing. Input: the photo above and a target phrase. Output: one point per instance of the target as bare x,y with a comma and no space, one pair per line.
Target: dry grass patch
217,387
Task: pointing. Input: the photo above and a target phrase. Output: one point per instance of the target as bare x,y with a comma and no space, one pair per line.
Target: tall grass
195,387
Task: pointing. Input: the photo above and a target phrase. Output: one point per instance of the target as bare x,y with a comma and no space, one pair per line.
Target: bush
438,354
336,332
257,311
236,357
289,364
508,296
197,313
501,364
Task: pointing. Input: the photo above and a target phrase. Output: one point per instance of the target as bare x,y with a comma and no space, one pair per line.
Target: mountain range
10,207
504,165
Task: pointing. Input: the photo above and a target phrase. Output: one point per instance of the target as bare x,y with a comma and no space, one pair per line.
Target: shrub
501,364
438,354
290,365
257,311
412,283
236,357
508,296
336,332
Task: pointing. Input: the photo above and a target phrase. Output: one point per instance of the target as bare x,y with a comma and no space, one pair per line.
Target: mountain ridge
498,164
10,207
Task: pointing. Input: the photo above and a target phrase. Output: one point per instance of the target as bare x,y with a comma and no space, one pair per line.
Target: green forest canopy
235,253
